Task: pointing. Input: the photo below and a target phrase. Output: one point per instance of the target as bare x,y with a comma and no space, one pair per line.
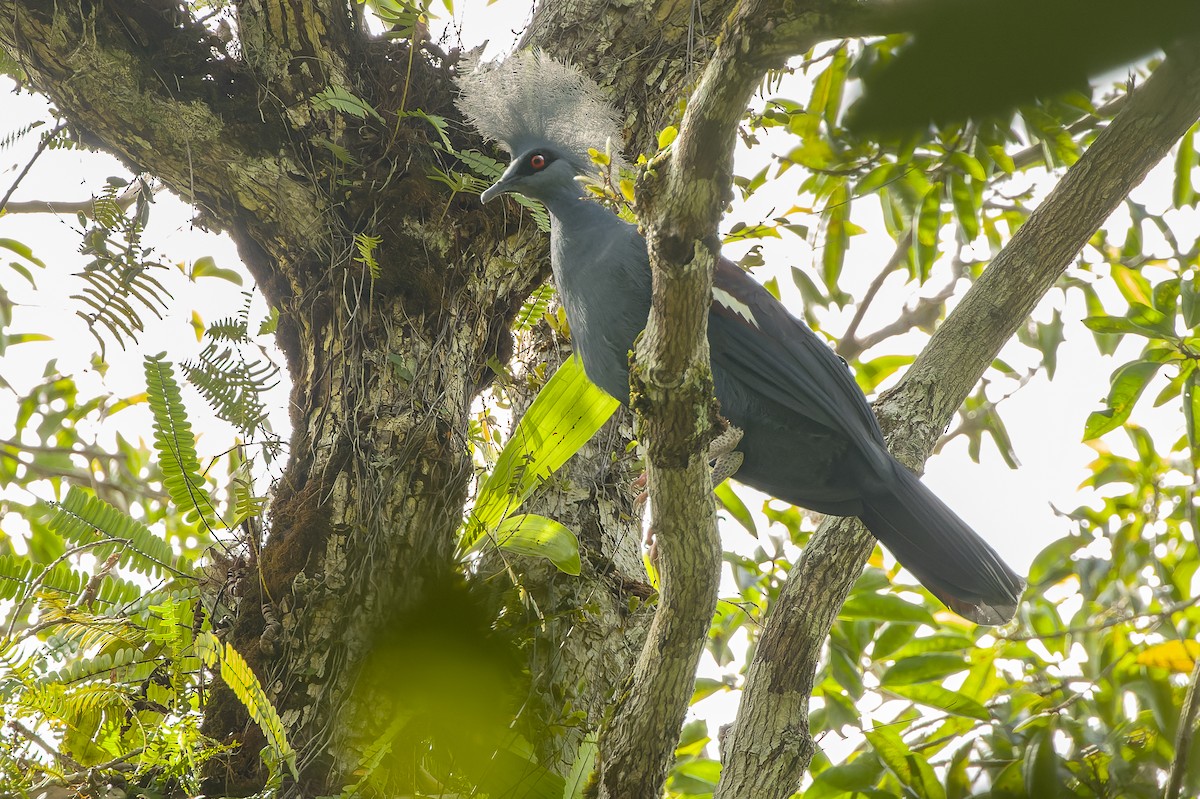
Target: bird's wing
755,341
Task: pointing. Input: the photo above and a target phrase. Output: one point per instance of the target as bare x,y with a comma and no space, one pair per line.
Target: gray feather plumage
530,98
808,434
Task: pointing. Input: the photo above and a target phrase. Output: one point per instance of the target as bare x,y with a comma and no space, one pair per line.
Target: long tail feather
947,556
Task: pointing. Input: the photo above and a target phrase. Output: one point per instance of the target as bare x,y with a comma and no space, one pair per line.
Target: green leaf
175,443
1128,383
870,374
837,237
338,98
206,266
1150,320
969,164
856,776
1166,297
1189,295
909,767
1132,285
1183,193
927,224
566,413
666,136
878,177
22,250
872,606
530,534
245,685
943,699
1054,562
923,668
1191,413
582,767
1041,767
735,507
966,205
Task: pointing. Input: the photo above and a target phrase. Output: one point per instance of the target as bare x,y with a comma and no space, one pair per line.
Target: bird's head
537,173
547,114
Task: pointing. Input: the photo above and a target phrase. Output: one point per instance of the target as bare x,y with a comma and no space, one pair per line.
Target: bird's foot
643,496
723,454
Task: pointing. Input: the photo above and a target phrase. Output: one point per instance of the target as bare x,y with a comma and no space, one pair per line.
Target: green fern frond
231,328
245,504
245,685
366,246
176,444
170,625
482,165
20,578
120,276
233,385
105,664
230,382
83,519
534,308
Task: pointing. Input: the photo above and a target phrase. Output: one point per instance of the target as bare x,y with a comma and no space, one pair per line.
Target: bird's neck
569,207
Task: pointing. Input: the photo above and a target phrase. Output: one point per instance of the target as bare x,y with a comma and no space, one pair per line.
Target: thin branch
850,347
41,148
68,208
1187,714
36,739
775,701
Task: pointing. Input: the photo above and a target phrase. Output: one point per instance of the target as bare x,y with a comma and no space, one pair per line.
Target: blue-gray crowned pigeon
808,435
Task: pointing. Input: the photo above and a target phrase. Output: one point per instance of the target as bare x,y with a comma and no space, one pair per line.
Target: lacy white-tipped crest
529,99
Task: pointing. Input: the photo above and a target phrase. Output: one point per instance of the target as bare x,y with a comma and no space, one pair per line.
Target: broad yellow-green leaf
909,767
941,698
1178,656
530,534
1128,383
924,668
565,414
883,607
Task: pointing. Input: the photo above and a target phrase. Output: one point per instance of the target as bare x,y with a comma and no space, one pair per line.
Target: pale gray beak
495,190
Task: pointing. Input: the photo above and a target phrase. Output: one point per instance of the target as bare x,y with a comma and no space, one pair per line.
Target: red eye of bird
537,160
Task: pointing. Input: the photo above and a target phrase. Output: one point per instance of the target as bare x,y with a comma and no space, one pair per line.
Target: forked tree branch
770,745
680,202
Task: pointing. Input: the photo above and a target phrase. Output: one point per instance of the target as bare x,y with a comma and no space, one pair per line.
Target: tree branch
680,201
770,746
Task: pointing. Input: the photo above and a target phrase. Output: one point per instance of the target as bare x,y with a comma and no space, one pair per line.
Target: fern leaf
241,680
83,519
366,246
230,382
120,276
176,444
534,308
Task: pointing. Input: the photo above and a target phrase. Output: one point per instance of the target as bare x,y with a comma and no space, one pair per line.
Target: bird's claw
723,455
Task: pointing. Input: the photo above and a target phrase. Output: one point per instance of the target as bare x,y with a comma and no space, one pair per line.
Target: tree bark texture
384,371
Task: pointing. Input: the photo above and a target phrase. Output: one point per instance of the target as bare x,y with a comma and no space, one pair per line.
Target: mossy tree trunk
383,371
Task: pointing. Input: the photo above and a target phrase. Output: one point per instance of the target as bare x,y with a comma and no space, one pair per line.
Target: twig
850,347
41,148
74,208
34,738
1187,713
